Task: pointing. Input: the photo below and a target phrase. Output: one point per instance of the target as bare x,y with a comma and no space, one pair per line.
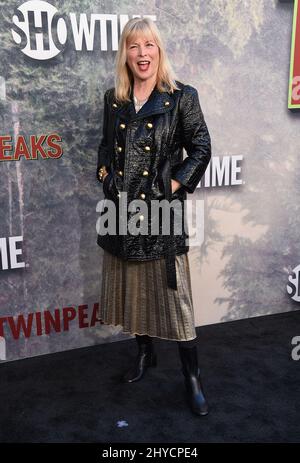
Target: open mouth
143,65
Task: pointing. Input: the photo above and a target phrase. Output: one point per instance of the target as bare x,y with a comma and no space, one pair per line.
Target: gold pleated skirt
135,295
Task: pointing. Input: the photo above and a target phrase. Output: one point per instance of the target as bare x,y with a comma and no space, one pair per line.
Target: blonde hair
123,76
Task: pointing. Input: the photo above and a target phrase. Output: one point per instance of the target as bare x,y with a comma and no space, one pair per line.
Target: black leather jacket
142,151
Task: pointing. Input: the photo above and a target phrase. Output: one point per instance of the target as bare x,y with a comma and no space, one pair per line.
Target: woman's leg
143,339
146,357
190,368
191,343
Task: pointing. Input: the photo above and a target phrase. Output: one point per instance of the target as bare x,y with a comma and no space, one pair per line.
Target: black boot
191,372
145,358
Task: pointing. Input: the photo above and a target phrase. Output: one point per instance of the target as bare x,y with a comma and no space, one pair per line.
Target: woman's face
142,49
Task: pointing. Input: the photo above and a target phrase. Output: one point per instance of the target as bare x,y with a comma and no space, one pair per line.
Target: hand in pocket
109,187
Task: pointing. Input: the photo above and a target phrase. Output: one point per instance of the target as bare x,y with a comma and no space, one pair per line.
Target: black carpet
249,377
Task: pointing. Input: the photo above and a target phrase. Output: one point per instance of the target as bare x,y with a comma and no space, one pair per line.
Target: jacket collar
158,102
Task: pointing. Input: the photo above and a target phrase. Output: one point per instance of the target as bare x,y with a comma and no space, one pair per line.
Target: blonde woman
149,117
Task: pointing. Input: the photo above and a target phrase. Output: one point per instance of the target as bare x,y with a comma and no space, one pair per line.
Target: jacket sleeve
103,149
196,141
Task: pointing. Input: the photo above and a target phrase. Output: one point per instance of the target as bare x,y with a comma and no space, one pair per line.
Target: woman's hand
175,185
102,172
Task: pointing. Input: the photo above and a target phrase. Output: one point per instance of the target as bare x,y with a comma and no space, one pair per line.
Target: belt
170,254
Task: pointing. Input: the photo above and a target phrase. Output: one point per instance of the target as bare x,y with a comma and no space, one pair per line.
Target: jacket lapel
157,103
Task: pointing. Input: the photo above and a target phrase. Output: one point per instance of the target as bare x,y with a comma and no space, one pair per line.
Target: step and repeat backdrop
56,61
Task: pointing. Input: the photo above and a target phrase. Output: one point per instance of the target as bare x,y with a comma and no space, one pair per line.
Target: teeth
143,62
